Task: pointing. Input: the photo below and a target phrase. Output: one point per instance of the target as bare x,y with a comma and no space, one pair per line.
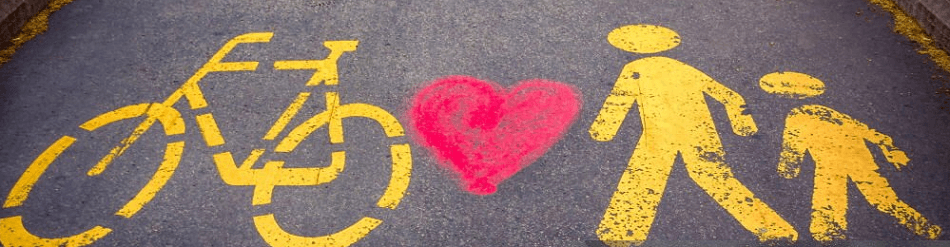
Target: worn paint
21,190
676,121
263,179
190,90
643,38
16,235
399,182
209,130
268,228
173,151
791,85
167,116
285,117
325,69
485,133
837,143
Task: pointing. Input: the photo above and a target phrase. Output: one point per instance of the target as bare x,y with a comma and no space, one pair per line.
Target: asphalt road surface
706,155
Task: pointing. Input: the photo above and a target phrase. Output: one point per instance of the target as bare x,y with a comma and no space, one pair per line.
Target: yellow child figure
837,143
676,120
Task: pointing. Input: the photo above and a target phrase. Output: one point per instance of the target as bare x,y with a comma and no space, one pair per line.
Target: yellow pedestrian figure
837,143
676,120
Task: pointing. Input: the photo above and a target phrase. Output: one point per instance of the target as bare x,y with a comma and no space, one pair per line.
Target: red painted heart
485,133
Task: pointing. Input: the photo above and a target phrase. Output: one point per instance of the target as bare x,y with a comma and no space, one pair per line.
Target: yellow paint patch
238,176
21,190
326,69
209,130
285,117
791,85
837,144
399,182
275,236
190,88
643,38
15,235
907,26
165,171
35,26
169,118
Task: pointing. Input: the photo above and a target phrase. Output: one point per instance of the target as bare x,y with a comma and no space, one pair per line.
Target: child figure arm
893,155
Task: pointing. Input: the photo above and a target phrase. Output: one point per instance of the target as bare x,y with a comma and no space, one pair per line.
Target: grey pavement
99,55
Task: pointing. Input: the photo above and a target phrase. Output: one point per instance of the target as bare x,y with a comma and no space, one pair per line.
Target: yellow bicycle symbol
263,179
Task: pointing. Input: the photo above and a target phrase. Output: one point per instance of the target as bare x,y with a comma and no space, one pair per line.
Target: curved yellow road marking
275,236
172,158
285,117
169,117
21,190
399,182
15,235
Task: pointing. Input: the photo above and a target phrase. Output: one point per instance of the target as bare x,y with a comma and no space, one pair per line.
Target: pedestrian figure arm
742,122
893,155
793,150
618,104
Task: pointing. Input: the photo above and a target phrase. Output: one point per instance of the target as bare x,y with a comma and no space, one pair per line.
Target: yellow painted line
333,116
326,69
233,175
399,182
388,122
116,115
264,182
670,96
118,150
301,132
165,171
190,89
15,234
268,228
209,130
335,121
170,118
274,174
285,117
21,190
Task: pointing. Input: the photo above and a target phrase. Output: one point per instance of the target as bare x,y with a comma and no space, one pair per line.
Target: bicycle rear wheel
15,234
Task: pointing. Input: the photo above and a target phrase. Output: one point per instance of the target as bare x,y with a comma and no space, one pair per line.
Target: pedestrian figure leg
633,206
880,194
829,204
709,170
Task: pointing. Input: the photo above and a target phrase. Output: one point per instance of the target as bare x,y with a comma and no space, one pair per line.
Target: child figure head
792,85
643,38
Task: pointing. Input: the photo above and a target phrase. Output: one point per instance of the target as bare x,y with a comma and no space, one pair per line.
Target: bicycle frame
264,179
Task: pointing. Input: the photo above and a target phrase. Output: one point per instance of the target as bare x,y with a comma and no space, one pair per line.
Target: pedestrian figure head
792,85
643,38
